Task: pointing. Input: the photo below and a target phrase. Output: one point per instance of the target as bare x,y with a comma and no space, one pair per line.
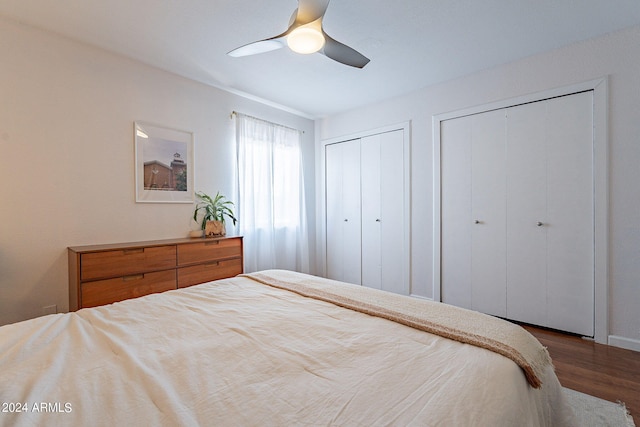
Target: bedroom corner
68,135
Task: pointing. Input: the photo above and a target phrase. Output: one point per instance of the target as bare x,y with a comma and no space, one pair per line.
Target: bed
276,348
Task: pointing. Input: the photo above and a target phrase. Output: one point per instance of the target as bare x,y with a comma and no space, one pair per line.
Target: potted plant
214,210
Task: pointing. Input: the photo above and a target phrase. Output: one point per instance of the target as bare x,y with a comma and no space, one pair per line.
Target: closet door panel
371,212
334,218
456,220
526,213
570,256
382,172
488,206
351,201
342,174
392,213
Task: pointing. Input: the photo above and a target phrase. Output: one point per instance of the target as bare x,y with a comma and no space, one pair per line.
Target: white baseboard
622,342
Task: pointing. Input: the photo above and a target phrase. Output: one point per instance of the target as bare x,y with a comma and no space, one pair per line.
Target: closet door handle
477,221
346,220
378,220
539,224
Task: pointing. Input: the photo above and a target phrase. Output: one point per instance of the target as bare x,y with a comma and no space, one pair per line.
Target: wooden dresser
103,274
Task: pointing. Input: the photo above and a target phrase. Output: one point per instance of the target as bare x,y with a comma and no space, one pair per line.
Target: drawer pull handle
213,242
133,251
213,264
133,277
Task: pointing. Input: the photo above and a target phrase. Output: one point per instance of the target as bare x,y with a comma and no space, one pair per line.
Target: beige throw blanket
451,322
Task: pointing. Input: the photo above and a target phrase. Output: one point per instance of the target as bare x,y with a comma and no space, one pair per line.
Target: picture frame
164,164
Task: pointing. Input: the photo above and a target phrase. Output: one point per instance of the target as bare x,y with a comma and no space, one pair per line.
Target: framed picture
164,164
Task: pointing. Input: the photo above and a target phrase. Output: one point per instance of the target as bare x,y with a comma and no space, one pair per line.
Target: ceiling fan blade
259,47
310,10
266,45
342,53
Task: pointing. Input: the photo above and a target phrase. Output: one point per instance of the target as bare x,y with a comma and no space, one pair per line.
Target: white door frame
600,186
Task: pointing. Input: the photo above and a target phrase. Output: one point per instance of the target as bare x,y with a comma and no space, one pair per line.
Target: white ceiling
411,43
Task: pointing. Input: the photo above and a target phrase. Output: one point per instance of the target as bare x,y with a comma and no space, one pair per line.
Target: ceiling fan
305,35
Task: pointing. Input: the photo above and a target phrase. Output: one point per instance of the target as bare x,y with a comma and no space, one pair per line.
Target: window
271,203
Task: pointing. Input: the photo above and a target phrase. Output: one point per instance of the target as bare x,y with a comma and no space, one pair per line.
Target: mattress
244,353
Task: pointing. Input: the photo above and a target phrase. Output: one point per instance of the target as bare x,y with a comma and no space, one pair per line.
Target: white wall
67,156
616,56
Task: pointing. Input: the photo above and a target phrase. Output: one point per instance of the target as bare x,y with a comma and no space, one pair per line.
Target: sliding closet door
550,242
488,212
473,212
371,174
570,213
367,207
517,218
382,172
526,220
456,222
456,219
343,211
394,251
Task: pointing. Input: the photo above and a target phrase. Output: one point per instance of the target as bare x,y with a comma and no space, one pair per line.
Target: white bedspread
236,352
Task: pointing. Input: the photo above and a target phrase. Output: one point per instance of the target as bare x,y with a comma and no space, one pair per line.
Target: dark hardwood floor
609,373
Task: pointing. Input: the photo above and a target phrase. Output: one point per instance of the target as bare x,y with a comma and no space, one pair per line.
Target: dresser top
146,244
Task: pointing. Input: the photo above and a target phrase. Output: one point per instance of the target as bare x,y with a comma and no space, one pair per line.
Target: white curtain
271,204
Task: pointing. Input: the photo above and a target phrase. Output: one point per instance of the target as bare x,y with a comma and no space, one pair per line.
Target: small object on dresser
214,210
195,233
214,229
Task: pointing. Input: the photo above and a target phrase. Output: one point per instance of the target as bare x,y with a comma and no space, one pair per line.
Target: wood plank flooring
609,373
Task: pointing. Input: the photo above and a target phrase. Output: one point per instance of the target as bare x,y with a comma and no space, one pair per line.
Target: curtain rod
235,113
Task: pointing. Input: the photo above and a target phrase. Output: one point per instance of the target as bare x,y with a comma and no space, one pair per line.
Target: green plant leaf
215,208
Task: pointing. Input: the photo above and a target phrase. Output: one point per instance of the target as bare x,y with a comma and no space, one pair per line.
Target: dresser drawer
214,270
106,273
102,292
217,249
123,262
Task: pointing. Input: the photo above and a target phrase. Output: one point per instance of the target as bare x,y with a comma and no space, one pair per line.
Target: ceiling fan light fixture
305,35
305,40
